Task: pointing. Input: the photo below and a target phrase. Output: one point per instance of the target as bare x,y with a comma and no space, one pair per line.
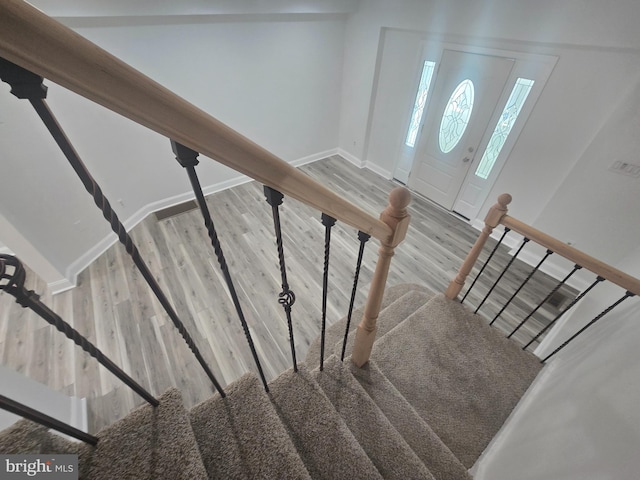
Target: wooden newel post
491,221
397,217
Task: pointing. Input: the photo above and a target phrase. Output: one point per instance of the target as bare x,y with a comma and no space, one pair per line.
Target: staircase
439,385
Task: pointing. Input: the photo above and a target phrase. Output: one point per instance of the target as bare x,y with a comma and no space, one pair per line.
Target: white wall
579,420
17,387
598,52
276,80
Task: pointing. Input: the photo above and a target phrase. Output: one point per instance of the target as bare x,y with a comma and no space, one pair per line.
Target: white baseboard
365,164
315,157
350,158
377,169
103,245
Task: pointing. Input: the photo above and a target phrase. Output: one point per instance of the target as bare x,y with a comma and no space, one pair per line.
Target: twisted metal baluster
34,415
13,284
363,237
286,297
555,289
188,159
526,280
328,222
575,300
27,85
524,242
602,314
504,234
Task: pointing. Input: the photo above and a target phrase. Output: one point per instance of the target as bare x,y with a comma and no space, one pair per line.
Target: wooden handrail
497,215
592,264
36,42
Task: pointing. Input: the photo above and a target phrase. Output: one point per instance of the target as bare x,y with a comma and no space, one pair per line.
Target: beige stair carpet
461,375
324,442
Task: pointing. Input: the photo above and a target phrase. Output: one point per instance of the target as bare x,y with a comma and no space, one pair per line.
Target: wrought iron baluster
525,240
34,415
189,159
555,289
526,280
364,238
286,298
12,282
569,307
504,234
328,222
602,314
29,86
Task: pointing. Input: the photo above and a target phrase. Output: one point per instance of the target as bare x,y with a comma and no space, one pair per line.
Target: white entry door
466,91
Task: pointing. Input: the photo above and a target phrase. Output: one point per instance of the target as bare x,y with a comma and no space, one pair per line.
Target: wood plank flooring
114,308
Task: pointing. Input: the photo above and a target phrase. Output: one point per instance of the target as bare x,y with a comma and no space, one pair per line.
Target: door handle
466,159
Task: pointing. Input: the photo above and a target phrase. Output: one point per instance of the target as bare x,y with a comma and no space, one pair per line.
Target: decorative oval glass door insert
456,116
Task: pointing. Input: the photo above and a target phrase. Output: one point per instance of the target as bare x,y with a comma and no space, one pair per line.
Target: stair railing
34,46
497,215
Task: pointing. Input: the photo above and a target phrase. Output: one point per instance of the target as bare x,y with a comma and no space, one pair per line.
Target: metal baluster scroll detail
286,297
12,278
364,238
525,240
29,413
569,307
555,289
504,234
189,159
602,314
30,86
526,280
328,223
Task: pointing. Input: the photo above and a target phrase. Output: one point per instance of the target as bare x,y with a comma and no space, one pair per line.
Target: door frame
529,65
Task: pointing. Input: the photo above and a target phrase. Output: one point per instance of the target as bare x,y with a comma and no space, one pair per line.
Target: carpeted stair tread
241,436
151,443
324,442
416,432
335,332
27,437
386,448
469,376
389,318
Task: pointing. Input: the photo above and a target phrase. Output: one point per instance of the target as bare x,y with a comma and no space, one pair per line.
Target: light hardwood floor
114,308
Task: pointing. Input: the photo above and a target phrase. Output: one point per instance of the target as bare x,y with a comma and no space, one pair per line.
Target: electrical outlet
625,168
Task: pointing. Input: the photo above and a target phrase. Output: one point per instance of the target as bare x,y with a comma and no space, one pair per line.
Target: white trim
103,245
364,164
315,157
78,414
6,251
351,158
62,285
377,169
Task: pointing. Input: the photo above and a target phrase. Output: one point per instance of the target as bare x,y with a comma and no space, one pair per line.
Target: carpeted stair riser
334,334
388,451
470,376
323,441
159,443
392,315
241,435
416,432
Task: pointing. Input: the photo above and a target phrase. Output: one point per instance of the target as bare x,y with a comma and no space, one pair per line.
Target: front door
466,91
